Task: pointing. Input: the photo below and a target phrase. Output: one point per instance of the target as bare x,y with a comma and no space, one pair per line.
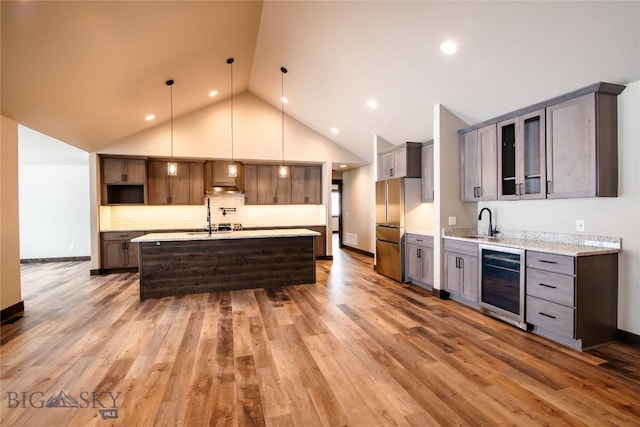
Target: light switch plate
579,225
453,220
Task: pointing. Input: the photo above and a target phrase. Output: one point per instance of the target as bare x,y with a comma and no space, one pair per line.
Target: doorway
336,212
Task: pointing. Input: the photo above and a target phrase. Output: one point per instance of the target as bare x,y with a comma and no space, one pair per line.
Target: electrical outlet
579,225
453,220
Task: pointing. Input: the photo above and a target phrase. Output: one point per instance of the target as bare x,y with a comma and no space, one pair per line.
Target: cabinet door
273,190
113,254
131,254
426,255
306,185
571,148
470,163
469,282
135,171
413,263
158,183
521,156
385,166
196,183
399,162
250,184
488,163
428,184
112,170
179,185
452,273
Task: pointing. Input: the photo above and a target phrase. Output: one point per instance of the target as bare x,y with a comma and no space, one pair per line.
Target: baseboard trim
360,251
60,259
440,293
100,271
12,310
325,257
628,338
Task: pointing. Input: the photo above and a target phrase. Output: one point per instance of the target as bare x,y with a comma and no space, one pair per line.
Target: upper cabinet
521,157
560,148
306,185
186,188
402,161
217,179
428,183
123,181
479,164
117,170
582,147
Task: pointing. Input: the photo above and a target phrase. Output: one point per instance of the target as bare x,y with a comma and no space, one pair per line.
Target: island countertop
223,235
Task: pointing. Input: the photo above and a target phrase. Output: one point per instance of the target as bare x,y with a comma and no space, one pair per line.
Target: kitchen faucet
492,232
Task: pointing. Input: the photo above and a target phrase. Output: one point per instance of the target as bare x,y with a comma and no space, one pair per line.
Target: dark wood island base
185,264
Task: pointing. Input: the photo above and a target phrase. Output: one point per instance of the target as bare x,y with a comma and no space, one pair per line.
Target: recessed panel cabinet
419,261
123,181
263,186
306,185
186,188
521,157
479,164
403,161
117,251
582,147
273,190
461,271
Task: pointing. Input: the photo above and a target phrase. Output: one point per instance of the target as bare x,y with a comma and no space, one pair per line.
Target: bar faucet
492,232
209,216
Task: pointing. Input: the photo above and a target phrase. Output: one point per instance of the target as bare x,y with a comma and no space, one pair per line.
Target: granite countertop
562,244
421,233
244,234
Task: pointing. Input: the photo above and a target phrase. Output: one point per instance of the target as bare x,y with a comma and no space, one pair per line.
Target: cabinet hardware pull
419,253
549,187
391,171
548,286
546,315
548,262
125,177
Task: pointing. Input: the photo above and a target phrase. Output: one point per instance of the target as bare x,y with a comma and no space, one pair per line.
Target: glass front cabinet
521,157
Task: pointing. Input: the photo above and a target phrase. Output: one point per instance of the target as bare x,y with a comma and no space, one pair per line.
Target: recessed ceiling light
343,166
335,130
284,99
149,117
372,103
213,93
449,47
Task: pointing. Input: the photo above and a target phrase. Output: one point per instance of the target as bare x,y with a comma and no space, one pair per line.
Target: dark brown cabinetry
117,251
479,164
123,181
272,189
573,300
306,185
186,188
419,261
428,183
582,146
461,271
521,157
403,161
217,179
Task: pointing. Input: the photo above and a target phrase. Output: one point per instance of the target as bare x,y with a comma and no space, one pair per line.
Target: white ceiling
88,72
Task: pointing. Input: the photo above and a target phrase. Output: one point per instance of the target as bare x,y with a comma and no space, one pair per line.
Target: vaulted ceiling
87,73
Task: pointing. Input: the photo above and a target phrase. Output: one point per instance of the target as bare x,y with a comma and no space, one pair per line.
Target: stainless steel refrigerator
390,199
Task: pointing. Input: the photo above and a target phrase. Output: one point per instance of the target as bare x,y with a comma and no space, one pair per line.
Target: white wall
615,217
54,211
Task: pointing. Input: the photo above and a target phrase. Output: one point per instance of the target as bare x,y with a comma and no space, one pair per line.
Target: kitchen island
198,262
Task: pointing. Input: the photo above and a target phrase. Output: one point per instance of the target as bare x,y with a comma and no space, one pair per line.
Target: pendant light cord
171,122
283,70
230,62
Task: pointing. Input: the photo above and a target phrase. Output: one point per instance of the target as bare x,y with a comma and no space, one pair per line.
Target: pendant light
283,170
172,167
233,168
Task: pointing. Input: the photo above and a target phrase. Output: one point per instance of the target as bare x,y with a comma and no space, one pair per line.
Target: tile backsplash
115,218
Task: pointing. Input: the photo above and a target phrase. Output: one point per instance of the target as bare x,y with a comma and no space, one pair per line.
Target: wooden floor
355,349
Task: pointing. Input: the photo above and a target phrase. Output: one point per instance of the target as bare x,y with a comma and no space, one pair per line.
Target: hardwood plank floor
354,349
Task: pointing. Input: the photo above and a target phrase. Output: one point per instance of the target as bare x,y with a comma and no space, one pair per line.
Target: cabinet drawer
550,262
551,286
460,247
553,317
420,240
121,235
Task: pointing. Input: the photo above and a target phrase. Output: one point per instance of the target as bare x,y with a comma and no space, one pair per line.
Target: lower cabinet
419,260
117,249
573,300
461,271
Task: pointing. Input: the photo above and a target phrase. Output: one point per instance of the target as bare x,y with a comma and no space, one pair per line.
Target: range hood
217,180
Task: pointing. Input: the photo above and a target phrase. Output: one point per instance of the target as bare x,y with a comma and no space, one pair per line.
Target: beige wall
615,217
10,292
357,202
